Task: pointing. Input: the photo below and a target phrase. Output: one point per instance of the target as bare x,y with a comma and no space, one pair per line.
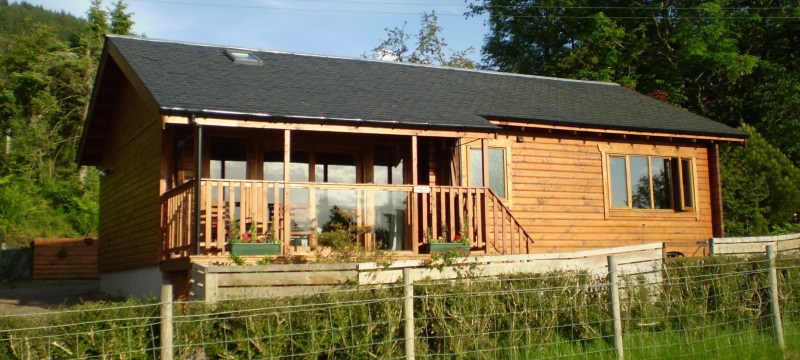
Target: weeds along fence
720,307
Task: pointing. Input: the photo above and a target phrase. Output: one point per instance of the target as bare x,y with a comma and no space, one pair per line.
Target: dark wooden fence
65,258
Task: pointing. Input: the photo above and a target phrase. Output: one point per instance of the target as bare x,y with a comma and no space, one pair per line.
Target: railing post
166,322
773,295
615,308
711,247
408,312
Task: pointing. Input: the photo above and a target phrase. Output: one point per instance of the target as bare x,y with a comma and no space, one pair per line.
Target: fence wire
717,307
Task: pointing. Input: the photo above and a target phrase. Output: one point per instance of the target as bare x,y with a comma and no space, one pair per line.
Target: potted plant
251,243
443,243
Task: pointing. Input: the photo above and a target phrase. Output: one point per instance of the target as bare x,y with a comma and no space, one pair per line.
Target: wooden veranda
402,218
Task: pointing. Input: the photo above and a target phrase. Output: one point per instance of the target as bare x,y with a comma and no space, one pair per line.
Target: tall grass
716,309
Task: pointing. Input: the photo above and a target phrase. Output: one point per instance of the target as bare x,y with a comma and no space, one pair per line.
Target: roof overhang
623,132
324,124
112,72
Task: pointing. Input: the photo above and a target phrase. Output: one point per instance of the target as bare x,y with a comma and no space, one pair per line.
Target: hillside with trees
47,69
15,19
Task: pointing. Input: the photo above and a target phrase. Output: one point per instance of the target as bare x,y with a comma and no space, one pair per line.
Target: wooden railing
403,217
176,221
455,213
236,206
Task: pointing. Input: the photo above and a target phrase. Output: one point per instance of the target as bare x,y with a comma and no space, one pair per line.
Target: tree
45,83
43,100
97,22
431,49
760,185
121,21
736,62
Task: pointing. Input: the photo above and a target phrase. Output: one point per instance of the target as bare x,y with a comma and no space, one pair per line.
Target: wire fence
717,307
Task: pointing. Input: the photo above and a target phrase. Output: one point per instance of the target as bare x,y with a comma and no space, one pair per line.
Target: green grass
717,309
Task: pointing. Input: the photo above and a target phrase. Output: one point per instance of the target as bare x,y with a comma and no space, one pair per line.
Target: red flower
246,237
458,237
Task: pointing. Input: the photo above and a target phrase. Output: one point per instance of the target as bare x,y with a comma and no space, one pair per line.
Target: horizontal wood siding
559,199
65,258
129,194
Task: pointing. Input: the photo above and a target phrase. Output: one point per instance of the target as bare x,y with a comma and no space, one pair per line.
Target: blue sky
328,27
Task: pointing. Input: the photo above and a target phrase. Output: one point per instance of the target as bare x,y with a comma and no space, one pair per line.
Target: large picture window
651,182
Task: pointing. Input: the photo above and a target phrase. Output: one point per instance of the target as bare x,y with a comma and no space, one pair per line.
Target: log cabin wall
129,194
558,194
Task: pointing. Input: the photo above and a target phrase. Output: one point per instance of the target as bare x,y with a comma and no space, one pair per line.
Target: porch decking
402,217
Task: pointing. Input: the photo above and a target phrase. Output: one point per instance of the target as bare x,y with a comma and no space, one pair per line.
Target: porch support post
198,165
413,206
485,162
414,160
717,224
287,159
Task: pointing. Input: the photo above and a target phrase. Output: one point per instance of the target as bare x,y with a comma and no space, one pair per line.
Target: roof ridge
489,72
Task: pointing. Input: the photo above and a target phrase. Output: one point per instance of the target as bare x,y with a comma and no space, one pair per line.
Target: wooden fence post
615,308
166,322
408,312
773,295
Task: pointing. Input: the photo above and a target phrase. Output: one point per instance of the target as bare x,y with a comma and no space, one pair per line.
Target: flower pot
255,249
431,248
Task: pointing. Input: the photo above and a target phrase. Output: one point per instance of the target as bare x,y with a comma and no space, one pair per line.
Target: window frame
467,175
678,191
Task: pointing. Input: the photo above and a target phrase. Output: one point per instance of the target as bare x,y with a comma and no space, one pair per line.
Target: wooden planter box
431,248
255,249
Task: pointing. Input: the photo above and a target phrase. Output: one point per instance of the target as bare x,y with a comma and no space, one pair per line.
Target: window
228,158
331,167
651,182
242,57
497,169
388,165
273,165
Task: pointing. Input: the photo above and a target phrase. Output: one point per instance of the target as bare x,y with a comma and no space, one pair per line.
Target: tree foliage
121,21
737,62
15,19
761,187
45,84
430,49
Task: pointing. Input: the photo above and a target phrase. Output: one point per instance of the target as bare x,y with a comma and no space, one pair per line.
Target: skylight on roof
242,57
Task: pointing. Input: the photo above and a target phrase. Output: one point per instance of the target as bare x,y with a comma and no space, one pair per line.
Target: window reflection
273,165
228,158
662,182
656,182
619,182
688,189
335,168
640,182
388,168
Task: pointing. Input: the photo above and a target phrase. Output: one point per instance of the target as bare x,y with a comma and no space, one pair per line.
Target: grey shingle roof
202,77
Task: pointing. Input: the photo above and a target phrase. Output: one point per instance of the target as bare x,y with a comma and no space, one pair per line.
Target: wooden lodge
201,144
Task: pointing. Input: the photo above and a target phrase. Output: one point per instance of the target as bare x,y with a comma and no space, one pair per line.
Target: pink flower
246,237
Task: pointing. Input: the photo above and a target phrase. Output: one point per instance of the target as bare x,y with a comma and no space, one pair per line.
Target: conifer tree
121,21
